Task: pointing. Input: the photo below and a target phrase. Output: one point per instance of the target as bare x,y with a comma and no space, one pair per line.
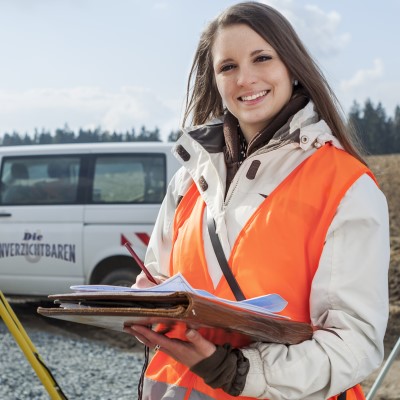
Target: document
267,304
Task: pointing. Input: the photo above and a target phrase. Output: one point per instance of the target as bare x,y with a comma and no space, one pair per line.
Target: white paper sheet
267,304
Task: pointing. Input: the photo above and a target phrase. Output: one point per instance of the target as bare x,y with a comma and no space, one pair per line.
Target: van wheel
120,277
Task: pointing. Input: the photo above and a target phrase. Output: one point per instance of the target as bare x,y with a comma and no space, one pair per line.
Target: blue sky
121,64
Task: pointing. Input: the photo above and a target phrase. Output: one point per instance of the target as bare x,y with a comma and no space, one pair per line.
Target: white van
66,210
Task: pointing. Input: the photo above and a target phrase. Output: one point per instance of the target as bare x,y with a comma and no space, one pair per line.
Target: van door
123,204
41,217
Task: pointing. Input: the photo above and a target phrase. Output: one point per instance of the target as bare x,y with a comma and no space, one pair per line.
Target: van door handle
5,214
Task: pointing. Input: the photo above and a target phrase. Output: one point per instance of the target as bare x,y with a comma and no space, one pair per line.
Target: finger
203,346
150,337
160,278
142,282
140,337
160,344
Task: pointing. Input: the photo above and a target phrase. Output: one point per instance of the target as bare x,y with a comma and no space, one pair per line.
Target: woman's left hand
188,353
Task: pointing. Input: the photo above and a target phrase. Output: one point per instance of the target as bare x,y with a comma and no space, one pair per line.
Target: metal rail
385,369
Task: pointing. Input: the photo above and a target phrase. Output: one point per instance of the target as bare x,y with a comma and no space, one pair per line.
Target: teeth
254,96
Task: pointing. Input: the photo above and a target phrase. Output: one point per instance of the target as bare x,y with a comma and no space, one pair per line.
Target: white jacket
349,292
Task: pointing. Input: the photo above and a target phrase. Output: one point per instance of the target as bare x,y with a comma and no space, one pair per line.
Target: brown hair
203,101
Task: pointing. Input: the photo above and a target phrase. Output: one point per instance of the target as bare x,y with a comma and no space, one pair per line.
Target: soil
386,169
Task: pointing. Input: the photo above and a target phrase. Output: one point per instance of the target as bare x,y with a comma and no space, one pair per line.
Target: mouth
254,96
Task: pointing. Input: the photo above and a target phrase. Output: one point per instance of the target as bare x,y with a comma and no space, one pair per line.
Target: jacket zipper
235,181
237,177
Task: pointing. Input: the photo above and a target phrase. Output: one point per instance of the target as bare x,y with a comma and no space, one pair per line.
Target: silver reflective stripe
153,390
196,395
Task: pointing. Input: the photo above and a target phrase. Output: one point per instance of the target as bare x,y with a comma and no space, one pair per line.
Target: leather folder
114,310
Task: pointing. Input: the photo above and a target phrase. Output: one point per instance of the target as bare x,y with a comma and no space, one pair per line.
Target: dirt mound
386,169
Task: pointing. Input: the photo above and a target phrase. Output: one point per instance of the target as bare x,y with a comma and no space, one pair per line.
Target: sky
123,64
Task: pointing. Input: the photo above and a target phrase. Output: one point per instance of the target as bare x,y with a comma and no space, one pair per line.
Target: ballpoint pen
140,262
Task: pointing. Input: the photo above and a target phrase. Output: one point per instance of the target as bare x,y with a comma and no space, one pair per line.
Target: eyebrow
255,52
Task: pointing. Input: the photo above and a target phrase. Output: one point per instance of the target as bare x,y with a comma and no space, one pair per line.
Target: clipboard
115,310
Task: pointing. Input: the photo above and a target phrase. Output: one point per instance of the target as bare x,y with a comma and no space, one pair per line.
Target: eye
263,58
227,67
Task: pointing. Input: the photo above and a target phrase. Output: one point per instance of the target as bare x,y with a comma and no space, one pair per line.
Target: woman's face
252,80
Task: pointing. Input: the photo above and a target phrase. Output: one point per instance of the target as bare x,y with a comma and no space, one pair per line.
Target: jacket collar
303,128
278,127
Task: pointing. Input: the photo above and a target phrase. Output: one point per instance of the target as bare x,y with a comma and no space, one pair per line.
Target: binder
115,310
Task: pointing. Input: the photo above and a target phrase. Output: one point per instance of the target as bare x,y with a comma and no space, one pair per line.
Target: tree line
378,133
67,135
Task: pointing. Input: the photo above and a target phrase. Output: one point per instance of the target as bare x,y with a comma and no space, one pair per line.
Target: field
387,171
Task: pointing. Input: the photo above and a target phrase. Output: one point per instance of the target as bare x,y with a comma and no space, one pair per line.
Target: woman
297,212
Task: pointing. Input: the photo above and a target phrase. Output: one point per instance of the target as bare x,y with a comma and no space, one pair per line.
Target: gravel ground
88,363
95,364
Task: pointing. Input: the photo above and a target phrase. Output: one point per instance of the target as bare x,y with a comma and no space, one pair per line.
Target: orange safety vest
277,251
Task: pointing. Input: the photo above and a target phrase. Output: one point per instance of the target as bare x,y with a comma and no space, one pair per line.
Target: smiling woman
271,167
253,82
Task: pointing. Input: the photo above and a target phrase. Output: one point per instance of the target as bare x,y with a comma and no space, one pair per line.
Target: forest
378,132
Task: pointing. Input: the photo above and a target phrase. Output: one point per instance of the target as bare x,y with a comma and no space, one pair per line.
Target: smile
254,96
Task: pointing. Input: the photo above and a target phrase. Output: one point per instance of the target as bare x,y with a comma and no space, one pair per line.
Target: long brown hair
203,101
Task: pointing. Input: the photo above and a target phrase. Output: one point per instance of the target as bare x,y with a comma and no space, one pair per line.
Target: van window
133,178
39,180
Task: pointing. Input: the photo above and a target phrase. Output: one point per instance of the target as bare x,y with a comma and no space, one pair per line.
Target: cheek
220,89
224,87
287,90
285,84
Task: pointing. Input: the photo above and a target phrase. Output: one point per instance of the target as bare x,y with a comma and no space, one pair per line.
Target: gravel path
96,364
88,363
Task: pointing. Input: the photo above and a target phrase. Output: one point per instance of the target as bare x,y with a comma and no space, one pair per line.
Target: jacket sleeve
349,296
160,244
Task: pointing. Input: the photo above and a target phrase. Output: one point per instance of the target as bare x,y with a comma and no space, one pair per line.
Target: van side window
39,180
133,178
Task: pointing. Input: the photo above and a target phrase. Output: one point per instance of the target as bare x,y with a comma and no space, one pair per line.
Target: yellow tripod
21,337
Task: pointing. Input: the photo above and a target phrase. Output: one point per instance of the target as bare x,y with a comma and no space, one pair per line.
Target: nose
246,76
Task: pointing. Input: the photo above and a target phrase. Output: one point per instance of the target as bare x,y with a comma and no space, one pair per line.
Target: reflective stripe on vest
277,251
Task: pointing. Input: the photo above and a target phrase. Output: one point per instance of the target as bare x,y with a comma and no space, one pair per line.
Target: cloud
381,92
86,107
364,77
160,5
368,84
318,29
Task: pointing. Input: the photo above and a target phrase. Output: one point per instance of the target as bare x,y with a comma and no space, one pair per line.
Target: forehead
238,39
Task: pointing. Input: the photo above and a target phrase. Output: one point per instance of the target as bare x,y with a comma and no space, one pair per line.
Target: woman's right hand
143,283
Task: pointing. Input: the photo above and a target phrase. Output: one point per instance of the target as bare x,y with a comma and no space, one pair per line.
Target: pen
140,263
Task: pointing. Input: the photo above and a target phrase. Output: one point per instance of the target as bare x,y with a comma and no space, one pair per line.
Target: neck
248,135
